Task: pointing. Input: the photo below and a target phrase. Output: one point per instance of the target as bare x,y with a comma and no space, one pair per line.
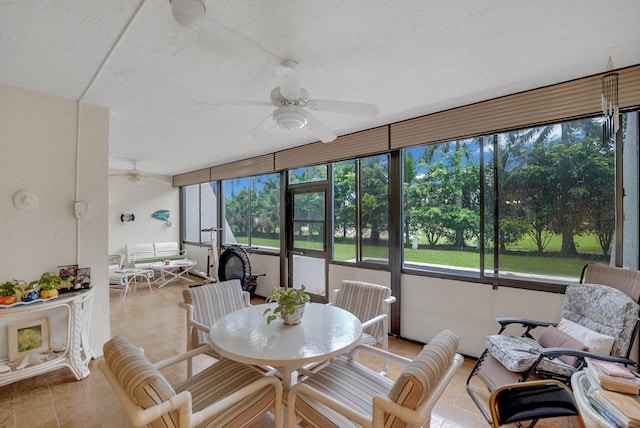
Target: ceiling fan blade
318,128
262,126
157,180
289,80
343,107
234,103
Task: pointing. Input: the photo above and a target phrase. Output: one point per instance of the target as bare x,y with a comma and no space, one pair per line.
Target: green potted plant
48,285
290,304
9,290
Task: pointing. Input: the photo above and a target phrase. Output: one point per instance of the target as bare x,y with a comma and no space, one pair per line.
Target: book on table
610,368
624,408
628,384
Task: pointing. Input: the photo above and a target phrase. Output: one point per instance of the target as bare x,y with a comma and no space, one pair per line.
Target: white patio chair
347,394
227,393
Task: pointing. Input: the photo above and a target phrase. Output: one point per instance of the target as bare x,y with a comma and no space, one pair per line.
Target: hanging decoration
610,106
162,215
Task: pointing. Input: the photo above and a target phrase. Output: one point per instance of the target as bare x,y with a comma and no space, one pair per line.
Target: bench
141,256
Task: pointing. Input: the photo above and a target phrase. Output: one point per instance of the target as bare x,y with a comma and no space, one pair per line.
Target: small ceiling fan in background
293,104
136,176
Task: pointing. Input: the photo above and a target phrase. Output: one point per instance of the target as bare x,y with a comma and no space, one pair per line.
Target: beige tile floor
156,323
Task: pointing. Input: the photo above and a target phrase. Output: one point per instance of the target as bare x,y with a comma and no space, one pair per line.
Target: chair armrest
390,300
181,357
246,296
378,352
374,320
504,321
557,352
527,324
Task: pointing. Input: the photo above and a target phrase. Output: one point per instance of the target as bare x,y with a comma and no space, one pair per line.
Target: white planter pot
296,317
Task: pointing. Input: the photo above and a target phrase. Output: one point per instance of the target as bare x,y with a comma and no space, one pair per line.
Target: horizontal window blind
558,102
350,146
193,177
575,98
252,166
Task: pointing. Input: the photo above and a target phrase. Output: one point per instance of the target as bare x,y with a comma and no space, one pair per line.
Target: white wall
429,305
58,150
141,200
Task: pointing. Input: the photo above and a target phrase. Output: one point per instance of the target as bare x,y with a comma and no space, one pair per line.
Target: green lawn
527,263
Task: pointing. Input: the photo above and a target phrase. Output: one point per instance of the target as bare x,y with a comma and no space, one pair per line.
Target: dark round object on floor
234,264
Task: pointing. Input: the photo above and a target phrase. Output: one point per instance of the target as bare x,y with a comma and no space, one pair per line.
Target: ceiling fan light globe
188,13
289,118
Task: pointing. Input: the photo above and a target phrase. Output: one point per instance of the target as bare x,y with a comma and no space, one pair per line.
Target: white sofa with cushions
141,256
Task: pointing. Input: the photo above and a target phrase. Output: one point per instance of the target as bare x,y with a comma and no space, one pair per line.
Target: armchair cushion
551,337
142,381
418,378
518,354
609,311
595,342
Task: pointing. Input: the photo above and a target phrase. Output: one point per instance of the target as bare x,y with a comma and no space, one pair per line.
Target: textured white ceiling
163,84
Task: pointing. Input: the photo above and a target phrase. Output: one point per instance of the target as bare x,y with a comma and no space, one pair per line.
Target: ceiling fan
293,104
136,176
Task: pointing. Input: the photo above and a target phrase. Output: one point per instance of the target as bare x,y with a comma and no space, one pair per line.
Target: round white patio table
325,332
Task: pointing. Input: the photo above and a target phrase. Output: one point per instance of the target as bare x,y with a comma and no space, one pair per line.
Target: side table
124,277
581,386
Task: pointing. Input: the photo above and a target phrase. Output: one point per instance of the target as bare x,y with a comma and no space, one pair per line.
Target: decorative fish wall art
162,215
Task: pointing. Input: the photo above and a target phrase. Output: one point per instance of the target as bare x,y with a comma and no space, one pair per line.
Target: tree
446,197
265,204
374,199
409,172
344,196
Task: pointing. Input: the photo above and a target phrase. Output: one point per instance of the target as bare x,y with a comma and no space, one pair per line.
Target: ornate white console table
68,317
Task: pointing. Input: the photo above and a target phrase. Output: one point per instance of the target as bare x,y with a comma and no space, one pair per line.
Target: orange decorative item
9,290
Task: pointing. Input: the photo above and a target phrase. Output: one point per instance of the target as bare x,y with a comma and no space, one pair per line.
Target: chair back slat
213,301
365,301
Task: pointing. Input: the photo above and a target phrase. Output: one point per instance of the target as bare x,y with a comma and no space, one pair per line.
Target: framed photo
31,336
68,274
83,278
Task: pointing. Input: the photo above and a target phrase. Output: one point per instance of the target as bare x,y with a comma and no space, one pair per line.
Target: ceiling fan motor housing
289,118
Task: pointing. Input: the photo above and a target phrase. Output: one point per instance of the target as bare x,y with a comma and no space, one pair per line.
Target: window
199,205
556,203
308,174
553,210
361,210
442,205
252,210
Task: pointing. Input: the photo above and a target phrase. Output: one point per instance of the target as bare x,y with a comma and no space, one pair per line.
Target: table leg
287,377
